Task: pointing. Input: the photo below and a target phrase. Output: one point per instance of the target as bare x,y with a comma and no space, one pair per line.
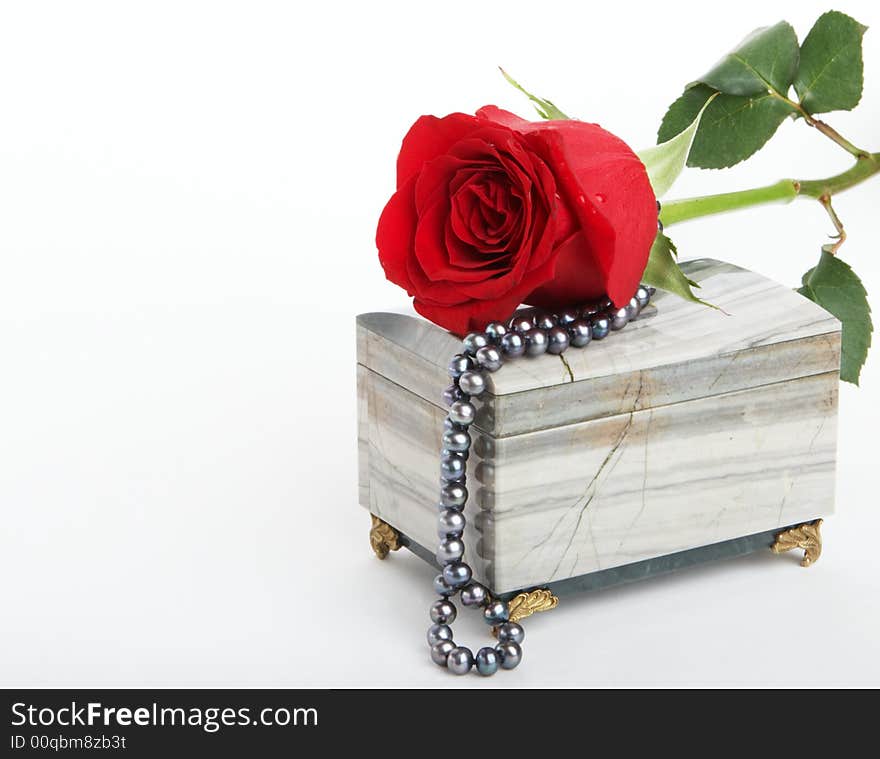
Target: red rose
492,211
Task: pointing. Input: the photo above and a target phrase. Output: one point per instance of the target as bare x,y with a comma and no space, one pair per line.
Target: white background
188,198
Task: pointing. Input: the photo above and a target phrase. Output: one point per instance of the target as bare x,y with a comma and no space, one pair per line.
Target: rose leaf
732,128
666,161
830,74
545,109
663,272
766,59
836,287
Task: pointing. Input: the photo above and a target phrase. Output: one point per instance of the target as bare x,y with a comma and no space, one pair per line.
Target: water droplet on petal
600,198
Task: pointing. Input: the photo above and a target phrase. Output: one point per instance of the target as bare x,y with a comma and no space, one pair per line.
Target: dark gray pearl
513,345
509,631
441,587
543,320
457,574
521,322
495,331
473,342
580,332
619,318
439,651
474,594
593,308
633,308
536,342
443,612
489,358
487,661
462,412
459,364
452,394
450,522
510,654
460,660
452,466
449,551
453,495
495,612
456,440
568,316
436,633
449,426
472,383
601,326
642,296
557,340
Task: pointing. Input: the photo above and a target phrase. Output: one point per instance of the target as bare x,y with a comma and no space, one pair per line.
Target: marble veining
728,433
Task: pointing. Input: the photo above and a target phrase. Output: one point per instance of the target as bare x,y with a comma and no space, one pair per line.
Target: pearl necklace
528,333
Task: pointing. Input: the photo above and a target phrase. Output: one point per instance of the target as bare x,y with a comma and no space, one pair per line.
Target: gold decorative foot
383,537
526,604
806,536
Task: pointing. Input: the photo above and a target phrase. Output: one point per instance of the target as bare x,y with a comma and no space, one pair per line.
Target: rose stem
785,190
830,132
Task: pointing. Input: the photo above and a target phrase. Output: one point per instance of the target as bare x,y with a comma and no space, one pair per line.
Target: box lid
675,351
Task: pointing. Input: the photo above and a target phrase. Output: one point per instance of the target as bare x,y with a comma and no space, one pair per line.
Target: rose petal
428,138
577,278
462,256
483,213
606,186
438,292
430,249
395,235
496,115
475,314
433,181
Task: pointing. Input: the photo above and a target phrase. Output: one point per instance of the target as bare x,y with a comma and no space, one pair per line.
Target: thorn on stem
840,237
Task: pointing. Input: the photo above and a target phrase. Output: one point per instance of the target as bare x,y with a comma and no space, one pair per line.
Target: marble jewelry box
690,435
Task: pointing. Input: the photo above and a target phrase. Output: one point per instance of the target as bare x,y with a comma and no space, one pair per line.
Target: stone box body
688,430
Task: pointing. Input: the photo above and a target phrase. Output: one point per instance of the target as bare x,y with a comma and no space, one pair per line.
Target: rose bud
492,211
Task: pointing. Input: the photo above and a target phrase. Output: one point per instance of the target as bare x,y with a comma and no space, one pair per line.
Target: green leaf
666,161
836,287
683,111
766,59
545,109
663,272
753,80
732,128
830,73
